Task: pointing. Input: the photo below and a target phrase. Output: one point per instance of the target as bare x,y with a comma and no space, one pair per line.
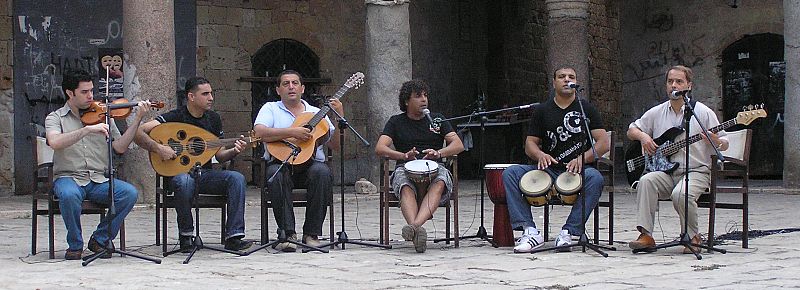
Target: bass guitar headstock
750,113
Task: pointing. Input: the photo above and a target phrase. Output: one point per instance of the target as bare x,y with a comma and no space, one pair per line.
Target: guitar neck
225,142
674,147
325,109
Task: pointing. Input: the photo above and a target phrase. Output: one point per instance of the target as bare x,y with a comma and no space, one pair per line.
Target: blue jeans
70,197
519,211
231,183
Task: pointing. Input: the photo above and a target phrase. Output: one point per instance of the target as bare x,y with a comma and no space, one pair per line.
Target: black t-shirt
210,122
561,130
407,133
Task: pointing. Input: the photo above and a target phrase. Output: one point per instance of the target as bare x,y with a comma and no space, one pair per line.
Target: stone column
388,64
149,45
568,37
791,133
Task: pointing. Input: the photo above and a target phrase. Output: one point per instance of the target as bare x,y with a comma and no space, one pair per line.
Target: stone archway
753,72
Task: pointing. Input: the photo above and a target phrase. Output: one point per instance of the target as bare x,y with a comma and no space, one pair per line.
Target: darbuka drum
567,186
536,186
494,182
421,172
502,234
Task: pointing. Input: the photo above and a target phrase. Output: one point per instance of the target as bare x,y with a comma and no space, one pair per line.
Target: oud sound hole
181,135
185,160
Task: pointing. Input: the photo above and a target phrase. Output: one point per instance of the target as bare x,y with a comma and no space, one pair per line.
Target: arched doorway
753,71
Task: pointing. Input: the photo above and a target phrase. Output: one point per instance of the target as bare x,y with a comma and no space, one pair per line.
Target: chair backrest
739,144
610,154
44,153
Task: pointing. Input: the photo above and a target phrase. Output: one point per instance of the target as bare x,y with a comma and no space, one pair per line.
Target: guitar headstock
750,113
356,80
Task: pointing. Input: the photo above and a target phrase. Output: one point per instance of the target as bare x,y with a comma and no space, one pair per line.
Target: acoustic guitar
637,162
302,151
193,146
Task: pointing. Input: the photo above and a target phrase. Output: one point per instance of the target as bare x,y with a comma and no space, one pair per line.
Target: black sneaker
185,243
237,244
95,247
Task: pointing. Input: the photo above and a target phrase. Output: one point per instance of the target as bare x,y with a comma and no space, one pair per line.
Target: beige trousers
659,185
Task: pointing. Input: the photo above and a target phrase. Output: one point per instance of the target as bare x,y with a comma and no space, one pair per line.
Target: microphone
573,85
676,94
428,115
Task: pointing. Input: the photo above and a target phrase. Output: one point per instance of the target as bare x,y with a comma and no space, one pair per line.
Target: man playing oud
274,124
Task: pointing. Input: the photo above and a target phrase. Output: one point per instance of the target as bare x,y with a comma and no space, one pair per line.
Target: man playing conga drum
415,138
556,139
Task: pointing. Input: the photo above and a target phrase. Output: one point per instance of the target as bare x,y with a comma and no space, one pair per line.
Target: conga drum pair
501,232
538,188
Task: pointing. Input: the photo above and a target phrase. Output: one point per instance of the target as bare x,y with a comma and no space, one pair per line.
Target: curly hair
409,88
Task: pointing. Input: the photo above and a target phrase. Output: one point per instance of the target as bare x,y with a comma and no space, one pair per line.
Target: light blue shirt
276,115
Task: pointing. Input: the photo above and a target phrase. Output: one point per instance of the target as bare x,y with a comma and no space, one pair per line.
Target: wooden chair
606,167
165,199
388,199
298,200
43,179
736,165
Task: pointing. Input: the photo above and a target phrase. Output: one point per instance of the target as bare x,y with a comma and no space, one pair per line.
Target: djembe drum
501,232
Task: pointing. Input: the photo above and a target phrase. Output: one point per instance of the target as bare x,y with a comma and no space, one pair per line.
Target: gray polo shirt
661,118
87,159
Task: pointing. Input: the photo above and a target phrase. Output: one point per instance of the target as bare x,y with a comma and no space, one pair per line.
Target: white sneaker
530,240
564,239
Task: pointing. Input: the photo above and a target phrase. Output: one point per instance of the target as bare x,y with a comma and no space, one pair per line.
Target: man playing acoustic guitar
198,112
274,124
659,184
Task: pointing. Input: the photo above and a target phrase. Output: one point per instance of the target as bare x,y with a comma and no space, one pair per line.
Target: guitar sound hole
185,160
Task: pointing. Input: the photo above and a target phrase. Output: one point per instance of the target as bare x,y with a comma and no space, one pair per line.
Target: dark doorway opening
753,72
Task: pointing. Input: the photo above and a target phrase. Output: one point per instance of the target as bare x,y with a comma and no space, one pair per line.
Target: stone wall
605,65
6,99
657,35
231,32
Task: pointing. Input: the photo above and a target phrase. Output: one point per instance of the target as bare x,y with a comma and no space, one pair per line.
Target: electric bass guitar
667,146
192,145
302,151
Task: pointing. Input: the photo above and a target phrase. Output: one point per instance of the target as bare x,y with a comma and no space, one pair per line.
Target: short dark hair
288,72
563,67
194,82
72,78
409,88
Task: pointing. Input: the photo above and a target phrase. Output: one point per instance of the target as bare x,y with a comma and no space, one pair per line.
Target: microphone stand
342,236
479,112
583,241
685,240
282,237
197,242
110,173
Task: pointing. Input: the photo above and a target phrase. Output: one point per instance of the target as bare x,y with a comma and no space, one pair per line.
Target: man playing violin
80,160
414,137
273,124
556,140
197,111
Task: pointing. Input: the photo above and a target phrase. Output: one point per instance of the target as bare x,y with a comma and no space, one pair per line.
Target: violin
120,108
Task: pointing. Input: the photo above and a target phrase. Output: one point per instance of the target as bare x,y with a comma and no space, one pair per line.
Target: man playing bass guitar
274,124
661,184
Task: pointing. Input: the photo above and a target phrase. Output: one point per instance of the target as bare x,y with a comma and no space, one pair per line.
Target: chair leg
158,220
611,218
597,224
447,223
546,222
332,221
163,228
455,222
264,219
222,217
745,219
34,223
122,236
51,232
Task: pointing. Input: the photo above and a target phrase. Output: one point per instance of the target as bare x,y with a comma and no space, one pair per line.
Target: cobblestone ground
772,261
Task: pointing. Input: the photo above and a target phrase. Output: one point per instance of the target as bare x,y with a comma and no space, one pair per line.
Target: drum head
568,183
497,166
535,183
421,166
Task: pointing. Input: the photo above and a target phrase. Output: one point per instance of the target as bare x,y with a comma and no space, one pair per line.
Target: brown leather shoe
695,240
95,247
644,241
311,240
73,254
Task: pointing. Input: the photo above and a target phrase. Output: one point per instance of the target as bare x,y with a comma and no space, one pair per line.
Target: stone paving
772,261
